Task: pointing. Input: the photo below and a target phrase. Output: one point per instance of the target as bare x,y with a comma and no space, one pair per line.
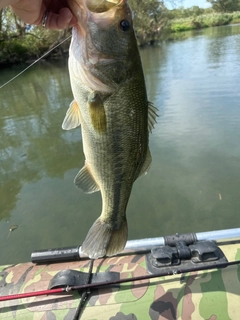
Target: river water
194,181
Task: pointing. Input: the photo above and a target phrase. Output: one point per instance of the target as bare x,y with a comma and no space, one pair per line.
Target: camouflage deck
211,295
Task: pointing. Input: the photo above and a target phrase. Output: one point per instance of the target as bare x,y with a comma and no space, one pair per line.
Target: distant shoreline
17,50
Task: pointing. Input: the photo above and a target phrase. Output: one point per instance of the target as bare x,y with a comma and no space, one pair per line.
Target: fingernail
73,21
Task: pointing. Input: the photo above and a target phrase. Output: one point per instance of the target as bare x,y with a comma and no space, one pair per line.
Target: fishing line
85,294
35,62
20,73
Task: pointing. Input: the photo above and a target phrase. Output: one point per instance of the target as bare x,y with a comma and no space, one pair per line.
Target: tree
21,42
225,5
1,14
149,19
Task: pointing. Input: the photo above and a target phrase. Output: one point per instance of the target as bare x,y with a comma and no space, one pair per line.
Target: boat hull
209,294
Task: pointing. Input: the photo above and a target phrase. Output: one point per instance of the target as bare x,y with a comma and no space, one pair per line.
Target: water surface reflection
194,181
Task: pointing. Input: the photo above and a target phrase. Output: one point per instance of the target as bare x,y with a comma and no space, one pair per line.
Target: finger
62,20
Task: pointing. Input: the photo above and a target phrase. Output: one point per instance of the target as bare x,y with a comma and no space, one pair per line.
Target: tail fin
103,240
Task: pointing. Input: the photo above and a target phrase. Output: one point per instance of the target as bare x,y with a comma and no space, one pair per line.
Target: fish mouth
87,50
95,6
102,12
103,6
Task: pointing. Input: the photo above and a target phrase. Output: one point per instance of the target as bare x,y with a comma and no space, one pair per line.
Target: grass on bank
204,21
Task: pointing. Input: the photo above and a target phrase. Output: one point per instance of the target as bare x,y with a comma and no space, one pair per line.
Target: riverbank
33,45
37,42
195,172
204,21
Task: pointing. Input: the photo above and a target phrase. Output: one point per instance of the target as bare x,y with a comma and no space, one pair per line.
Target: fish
111,106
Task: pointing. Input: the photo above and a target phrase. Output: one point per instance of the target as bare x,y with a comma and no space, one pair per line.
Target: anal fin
85,181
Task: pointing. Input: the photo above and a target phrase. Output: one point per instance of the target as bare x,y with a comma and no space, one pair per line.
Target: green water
194,181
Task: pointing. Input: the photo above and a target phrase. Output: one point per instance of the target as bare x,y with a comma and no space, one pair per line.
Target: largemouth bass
110,103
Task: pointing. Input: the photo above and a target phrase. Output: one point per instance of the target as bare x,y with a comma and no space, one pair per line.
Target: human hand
33,11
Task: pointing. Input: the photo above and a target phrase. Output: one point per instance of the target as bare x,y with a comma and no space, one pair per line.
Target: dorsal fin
152,115
72,118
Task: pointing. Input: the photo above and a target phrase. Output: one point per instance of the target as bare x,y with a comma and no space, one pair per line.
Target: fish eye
125,25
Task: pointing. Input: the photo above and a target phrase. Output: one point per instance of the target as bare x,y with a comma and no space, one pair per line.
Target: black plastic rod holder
56,255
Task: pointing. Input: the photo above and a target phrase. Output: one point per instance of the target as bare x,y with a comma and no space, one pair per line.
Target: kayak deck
207,294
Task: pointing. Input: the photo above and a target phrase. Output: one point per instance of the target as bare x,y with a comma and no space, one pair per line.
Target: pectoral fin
72,118
97,112
85,181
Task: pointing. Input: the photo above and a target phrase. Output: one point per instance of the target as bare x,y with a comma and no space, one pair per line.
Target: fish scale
111,104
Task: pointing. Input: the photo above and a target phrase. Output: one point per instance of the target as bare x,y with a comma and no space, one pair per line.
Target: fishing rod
114,282
135,246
